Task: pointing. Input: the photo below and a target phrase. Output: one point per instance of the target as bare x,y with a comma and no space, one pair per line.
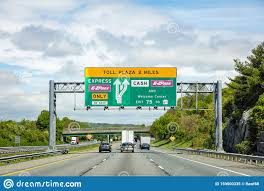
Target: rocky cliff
236,132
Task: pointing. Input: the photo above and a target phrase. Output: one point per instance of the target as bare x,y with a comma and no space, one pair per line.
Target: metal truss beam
182,87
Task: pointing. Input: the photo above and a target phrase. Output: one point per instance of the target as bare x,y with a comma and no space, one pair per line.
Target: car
127,146
104,146
145,146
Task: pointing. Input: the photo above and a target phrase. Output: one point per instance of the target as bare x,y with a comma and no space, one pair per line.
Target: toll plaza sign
140,87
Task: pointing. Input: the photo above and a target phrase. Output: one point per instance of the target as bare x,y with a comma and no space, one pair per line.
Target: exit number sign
140,87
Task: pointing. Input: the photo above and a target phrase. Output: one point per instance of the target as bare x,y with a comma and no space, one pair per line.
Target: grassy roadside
84,148
167,144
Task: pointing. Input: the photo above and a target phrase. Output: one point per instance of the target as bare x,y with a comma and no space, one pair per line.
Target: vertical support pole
196,98
215,114
74,101
219,116
52,116
181,98
108,138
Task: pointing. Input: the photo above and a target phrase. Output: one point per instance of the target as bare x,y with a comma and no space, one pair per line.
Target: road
155,162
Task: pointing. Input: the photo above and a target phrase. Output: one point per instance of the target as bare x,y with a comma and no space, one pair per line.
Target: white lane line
205,164
161,167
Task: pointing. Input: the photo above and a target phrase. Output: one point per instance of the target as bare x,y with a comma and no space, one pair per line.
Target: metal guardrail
247,159
11,158
64,149
10,150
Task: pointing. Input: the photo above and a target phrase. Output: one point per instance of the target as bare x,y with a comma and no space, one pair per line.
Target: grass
84,148
167,144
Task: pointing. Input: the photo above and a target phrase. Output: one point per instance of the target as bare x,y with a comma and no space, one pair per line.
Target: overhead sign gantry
139,87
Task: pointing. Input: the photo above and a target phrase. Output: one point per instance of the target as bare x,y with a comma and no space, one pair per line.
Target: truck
145,143
75,140
127,141
127,136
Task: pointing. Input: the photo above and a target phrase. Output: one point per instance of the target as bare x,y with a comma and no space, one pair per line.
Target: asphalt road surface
155,162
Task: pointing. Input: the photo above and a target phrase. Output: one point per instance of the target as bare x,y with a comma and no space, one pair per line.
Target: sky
44,40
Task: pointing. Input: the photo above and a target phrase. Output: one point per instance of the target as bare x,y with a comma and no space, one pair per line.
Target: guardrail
11,158
247,159
10,150
64,149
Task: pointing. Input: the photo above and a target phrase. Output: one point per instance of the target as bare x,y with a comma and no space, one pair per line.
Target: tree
43,120
249,84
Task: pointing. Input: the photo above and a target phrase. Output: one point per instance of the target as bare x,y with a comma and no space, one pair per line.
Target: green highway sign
140,87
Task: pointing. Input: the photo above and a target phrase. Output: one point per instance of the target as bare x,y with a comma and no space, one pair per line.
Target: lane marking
89,169
39,166
220,168
161,167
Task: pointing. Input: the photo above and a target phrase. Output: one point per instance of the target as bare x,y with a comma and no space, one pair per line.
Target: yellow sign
100,96
89,137
131,72
172,138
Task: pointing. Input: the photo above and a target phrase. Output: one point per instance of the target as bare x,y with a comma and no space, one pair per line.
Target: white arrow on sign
121,88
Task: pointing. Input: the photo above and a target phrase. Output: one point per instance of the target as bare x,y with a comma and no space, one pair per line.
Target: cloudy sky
43,40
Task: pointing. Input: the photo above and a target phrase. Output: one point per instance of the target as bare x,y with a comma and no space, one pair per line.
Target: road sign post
52,116
219,143
17,140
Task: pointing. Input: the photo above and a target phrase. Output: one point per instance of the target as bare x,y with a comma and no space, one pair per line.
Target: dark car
145,146
105,147
127,147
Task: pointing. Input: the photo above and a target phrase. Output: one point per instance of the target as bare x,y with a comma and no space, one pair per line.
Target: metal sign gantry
182,87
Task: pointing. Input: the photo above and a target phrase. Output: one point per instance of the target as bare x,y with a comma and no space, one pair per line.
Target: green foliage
195,127
258,116
248,85
244,92
30,135
43,120
244,147
32,132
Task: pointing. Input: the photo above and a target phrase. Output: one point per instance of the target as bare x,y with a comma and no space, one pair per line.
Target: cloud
34,38
50,42
54,40
186,48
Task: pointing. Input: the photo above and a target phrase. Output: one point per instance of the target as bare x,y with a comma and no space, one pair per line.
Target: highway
155,162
